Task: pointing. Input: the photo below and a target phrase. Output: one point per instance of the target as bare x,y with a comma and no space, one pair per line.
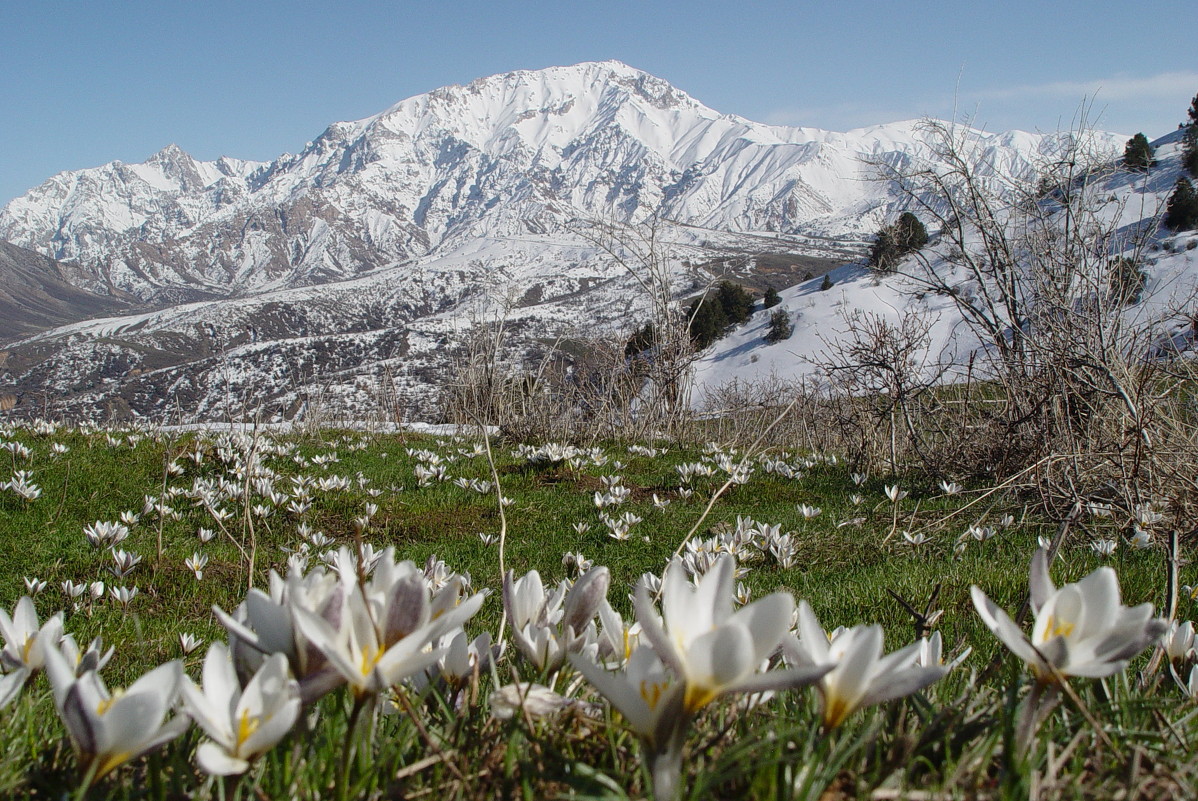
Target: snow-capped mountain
359,261
506,156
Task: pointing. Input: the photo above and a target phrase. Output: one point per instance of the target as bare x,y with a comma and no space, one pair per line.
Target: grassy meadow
270,498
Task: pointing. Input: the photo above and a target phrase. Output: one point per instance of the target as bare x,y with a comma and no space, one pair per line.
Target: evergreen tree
1181,212
911,234
1189,149
771,299
707,322
736,302
827,283
780,327
1138,154
906,235
1189,160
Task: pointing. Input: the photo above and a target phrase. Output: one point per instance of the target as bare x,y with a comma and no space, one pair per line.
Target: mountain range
349,270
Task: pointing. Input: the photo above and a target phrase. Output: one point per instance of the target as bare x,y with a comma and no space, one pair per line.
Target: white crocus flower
196,564
94,657
373,652
931,653
243,724
263,625
25,642
545,627
860,676
617,639
536,700
915,540
110,729
651,699
712,649
1081,629
697,650
1178,641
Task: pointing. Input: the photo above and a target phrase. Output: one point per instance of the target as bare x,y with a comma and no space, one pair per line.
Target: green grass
950,740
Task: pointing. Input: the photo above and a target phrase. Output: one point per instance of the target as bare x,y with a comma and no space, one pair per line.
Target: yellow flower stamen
106,703
1058,628
246,726
370,658
697,697
836,709
651,693
111,762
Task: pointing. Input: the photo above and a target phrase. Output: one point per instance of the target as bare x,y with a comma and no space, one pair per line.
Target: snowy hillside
820,317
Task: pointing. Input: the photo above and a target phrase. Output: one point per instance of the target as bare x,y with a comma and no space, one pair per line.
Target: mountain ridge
363,260
514,153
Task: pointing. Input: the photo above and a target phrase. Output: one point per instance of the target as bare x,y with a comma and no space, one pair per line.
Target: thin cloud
1116,88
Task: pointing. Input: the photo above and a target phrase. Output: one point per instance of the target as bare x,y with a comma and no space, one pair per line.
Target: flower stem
347,751
89,778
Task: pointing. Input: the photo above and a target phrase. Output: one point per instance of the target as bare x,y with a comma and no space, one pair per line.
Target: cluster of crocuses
369,625
663,669
372,623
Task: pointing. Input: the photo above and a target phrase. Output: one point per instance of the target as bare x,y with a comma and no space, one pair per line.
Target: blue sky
87,83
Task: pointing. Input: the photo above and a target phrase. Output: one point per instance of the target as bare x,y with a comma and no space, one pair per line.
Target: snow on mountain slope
508,155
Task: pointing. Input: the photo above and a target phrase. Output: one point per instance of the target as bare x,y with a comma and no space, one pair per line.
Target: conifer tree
707,321
1189,149
1181,212
906,235
771,299
1137,155
735,300
780,327
827,283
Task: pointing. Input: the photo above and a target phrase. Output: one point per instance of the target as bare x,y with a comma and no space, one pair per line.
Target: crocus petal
61,675
582,602
785,679
76,714
812,636
681,610
211,714
272,729
616,689
718,659
1003,627
902,683
271,622
11,684
216,761
407,608
128,722
161,682
845,685
654,631
322,637
1040,582
767,620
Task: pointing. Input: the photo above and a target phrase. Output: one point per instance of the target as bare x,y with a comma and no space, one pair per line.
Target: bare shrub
1039,271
